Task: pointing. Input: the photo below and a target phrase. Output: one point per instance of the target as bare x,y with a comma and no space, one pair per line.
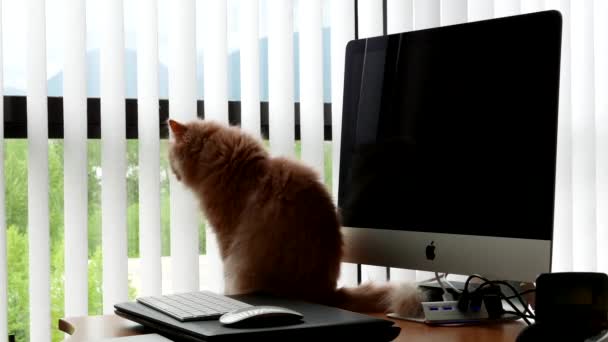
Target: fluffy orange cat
277,227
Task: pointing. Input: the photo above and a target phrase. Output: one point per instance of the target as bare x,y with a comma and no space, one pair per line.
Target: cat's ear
177,128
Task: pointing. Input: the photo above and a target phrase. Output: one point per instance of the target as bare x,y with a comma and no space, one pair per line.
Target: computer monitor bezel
494,257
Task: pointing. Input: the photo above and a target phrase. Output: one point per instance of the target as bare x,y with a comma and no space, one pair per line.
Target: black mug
570,306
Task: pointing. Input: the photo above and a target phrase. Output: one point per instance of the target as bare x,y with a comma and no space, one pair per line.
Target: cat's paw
405,300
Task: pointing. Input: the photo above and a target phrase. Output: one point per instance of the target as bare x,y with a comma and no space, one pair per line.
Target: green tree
133,230
165,205
95,283
56,191
327,156
165,210
94,194
56,223
15,177
18,296
133,198
15,165
57,289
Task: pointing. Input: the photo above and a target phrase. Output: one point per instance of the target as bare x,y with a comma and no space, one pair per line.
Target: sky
14,32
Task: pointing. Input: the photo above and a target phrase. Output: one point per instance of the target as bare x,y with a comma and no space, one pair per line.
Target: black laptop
319,322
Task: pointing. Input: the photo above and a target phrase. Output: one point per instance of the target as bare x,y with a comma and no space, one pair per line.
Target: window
15,163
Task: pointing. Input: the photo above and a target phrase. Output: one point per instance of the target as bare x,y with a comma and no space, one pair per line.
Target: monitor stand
433,288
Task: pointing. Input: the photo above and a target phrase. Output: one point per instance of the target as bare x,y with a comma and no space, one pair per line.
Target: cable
515,313
425,281
438,278
522,293
527,313
451,285
523,303
519,313
446,295
473,276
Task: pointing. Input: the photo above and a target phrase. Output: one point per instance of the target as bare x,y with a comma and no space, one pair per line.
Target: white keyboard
193,306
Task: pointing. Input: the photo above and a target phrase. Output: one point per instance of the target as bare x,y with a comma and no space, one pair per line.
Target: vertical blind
600,42
75,159
563,227
280,77
149,149
583,144
182,98
342,21
3,253
250,66
370,24
400,18
216,106
311,83
113,157
38,174
581,226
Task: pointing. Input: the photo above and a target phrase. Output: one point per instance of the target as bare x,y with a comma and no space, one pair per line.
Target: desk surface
95,327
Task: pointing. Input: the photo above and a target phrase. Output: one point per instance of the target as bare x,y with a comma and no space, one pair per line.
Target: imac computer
448,148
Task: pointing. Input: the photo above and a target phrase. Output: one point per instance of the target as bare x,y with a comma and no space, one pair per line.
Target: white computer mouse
260,316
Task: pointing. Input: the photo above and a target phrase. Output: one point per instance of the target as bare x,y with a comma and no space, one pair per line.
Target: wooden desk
95,327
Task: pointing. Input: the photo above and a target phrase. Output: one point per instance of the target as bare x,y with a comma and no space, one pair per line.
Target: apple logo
430,251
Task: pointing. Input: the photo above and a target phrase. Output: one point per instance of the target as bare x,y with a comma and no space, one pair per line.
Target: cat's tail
403,299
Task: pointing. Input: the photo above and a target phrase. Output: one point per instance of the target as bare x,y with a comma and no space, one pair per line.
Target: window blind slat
149,148
426,14
503,8
401,274
562,228
342,31
370,18
583,137
38,174
250,66
601,124
399,16
185,214
342,16
370,25
3,242
113,156
529,6
480,9
453,12
311,83
281,77
75,159
215,62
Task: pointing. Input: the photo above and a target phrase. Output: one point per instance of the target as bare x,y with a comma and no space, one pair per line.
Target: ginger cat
277,227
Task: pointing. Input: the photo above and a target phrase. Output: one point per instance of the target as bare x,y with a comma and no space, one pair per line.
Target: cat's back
292,236
295,191
292,180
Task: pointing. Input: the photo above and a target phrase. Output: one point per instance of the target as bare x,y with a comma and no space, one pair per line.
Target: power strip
447,312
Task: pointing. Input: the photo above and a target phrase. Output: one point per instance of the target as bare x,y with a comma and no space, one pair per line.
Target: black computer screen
454,129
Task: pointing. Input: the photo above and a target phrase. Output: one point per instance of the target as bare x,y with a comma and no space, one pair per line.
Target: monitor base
434,290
